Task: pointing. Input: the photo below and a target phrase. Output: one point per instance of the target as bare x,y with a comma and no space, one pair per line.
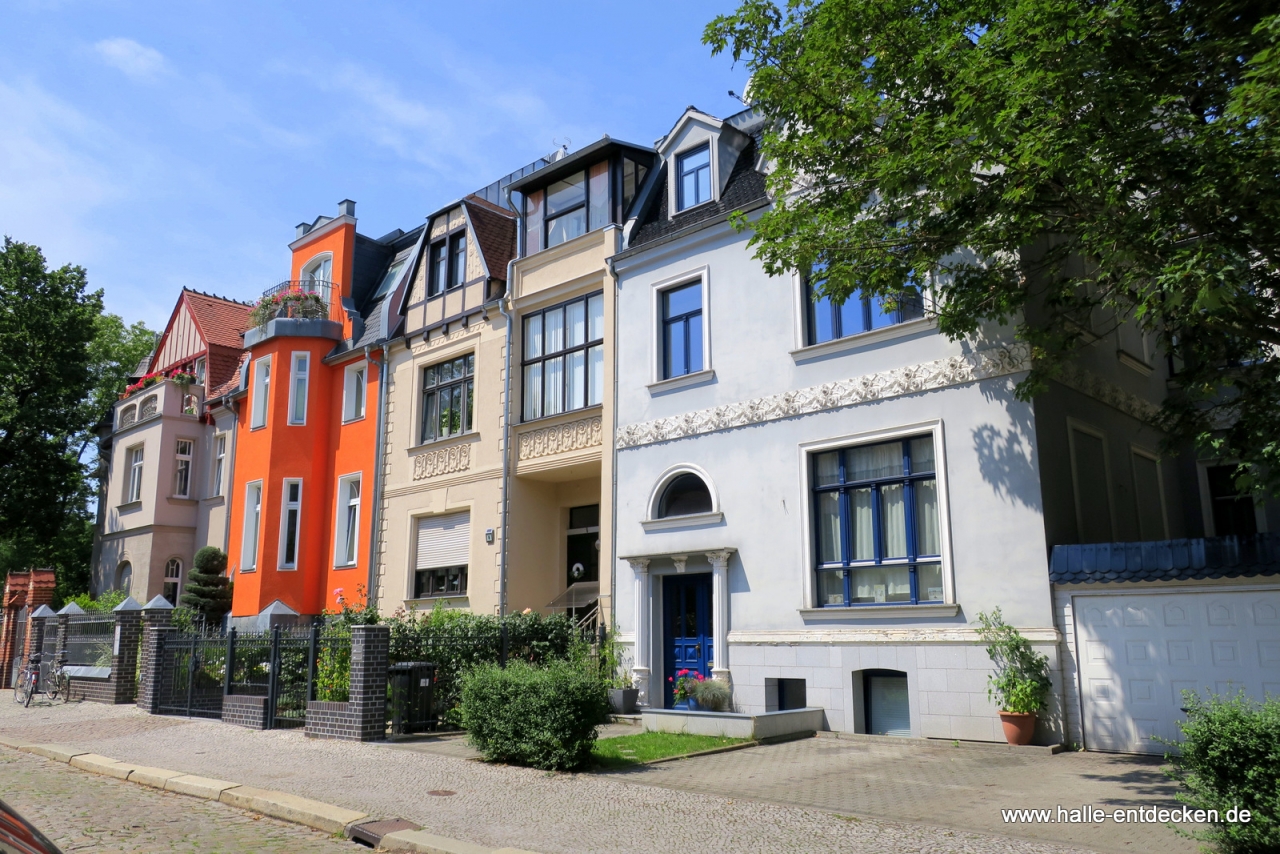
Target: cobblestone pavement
84,812
500,806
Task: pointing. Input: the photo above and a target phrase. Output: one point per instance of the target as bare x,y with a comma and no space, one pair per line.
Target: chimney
346,207
303,228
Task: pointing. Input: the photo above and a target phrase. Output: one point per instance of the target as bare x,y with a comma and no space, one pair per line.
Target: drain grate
371,832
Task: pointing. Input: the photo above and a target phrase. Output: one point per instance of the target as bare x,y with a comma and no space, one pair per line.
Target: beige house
169,457
439,522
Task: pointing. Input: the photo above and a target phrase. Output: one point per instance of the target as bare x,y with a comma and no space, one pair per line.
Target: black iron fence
198,669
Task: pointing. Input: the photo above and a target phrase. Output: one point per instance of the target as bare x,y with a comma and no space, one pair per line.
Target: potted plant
622,696
1021,679
712,694
682,692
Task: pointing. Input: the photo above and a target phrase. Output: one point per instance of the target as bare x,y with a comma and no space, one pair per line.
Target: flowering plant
289,303
684,680
179,376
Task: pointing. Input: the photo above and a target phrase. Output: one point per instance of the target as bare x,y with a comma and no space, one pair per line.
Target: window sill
693,520
862,339
346,566
567,416
685,210
452,597
347,421
457,439
1131,361
696,378
247,570
129,505
878,612
213,500
183,500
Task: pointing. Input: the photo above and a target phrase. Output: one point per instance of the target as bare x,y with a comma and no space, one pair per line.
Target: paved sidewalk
90,814
748,801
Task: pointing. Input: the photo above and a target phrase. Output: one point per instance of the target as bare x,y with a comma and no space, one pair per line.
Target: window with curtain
448,390
828,320
563,357
876,524
567,208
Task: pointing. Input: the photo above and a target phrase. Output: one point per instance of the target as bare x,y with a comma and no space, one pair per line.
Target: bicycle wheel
64,686
53,686
20,690
29,688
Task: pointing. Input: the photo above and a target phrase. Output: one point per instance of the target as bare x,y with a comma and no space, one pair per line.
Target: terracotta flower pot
1018,726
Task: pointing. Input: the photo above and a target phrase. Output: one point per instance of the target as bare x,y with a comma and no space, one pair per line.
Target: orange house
308,415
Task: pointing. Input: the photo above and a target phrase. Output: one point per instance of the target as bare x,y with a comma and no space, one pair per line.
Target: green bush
333,669
105,603
1230,758
545,717
1021,681
714,694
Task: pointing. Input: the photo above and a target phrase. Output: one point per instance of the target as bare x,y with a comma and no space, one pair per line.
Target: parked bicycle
58,683
28,682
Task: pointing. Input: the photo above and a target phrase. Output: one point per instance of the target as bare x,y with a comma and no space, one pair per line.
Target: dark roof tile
1166,560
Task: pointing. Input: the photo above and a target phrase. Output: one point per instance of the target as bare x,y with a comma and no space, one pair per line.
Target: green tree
47,326
208,589
1047,163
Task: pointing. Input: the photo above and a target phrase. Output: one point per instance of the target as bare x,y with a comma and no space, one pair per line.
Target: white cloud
135,60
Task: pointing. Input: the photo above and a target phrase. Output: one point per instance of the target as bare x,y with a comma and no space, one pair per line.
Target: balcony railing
1167,560
304,299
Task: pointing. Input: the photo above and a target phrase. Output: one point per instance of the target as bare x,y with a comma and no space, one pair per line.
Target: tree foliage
1062,165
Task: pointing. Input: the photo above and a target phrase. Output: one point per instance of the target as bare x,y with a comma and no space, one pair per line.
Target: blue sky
163,145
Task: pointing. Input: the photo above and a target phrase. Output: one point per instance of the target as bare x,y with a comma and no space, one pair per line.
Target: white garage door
1138,652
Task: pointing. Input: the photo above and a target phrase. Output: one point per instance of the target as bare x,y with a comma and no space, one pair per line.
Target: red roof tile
495,230
220,320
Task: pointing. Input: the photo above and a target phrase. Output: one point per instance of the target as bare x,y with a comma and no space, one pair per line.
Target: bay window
567,208
876,524
563,360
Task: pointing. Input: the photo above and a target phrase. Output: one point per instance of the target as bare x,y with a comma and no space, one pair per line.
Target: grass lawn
628,750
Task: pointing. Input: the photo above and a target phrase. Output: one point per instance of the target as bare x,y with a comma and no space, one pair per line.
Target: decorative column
640,668
720,613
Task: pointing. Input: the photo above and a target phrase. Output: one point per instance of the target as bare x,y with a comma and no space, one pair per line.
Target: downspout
229,493
371,590
506,410
613,431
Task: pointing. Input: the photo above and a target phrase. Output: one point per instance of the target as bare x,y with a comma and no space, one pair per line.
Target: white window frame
314,263
201,368
135,457
808,591
1073,425
1139,451
299,370
219,465
656,290
1206,498
249,546
353,406
178,459
177,580
260,402
285,506
342,529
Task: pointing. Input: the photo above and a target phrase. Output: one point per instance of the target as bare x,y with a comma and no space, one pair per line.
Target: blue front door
687,630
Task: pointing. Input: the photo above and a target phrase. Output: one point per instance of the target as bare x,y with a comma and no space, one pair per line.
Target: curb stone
282,805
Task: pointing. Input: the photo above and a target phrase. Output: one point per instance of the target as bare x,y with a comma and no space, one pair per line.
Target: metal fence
193,674
282,665
90,639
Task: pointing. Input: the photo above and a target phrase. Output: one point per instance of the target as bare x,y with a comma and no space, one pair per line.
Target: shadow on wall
1005,457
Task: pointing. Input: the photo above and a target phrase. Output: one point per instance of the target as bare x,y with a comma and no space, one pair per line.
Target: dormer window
568,208
693,175
447,263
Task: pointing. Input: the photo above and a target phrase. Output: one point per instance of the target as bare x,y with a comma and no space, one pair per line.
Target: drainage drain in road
441,793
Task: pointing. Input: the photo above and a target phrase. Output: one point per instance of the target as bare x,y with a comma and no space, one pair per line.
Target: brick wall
153,620
247,711
364,716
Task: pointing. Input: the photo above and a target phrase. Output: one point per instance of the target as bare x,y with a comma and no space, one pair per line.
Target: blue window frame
857,314
693,170
877,538
682,330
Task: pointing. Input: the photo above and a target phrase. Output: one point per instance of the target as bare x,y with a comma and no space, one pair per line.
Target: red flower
669,679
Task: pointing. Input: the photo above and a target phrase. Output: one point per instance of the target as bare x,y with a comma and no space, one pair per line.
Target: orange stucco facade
326,448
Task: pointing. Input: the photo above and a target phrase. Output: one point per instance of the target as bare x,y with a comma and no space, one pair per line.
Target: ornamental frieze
910,379
442,461
560,438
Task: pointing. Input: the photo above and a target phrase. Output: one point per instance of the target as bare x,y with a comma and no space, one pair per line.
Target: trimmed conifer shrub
208,589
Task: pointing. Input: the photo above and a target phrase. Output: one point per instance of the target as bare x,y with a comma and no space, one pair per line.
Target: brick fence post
370,647
64,620
150,670
156,615
124,651
40,623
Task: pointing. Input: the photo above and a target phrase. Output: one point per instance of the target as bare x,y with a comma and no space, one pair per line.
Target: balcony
1166,560
298,308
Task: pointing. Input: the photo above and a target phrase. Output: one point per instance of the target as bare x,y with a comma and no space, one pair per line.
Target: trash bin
410,685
